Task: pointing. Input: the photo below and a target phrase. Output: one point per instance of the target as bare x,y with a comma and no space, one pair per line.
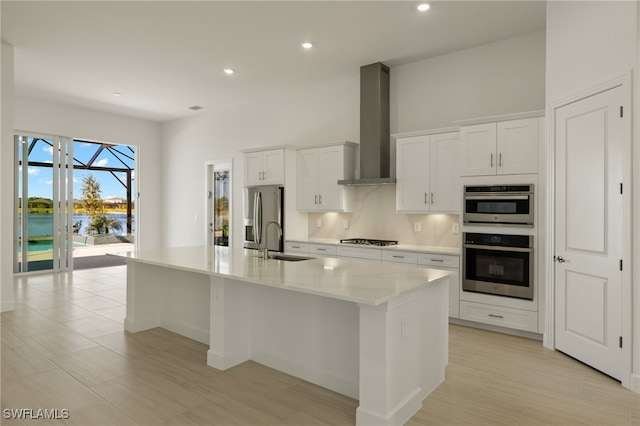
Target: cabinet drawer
497,315
439,260
359,253
296,247
399,256
322,250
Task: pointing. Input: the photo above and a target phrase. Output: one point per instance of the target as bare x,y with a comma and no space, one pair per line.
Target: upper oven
498,205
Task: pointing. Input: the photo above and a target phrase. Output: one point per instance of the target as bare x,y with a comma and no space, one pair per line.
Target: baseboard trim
497,329
309,373
7,305
134,326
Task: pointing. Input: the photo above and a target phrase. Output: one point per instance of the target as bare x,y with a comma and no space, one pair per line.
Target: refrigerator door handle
256,234
257,217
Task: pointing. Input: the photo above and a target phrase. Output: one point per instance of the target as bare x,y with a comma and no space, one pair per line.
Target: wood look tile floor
64,347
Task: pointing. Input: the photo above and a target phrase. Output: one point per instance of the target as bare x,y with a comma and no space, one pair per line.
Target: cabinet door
253,168
412,174
444,173
517,146
307,171
273,167
478,150
330,170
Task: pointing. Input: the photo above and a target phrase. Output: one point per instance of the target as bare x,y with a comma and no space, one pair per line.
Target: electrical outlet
318,223
455,228
345,224
417,227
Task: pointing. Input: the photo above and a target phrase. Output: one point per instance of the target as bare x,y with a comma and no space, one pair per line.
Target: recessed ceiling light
229,71
307,45
196,108
423,7
117,94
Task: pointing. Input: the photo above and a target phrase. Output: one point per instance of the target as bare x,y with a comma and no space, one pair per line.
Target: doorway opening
219,203
61,214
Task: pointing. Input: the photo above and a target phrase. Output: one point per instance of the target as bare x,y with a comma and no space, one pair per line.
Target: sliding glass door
43,203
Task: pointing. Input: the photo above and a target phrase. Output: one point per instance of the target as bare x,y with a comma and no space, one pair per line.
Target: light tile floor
64,347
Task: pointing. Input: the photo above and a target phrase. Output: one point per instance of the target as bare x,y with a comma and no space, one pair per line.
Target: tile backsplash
375,216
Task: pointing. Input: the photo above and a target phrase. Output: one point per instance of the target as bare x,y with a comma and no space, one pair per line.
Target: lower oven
498,264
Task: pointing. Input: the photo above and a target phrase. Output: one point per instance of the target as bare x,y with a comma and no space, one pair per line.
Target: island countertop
351,280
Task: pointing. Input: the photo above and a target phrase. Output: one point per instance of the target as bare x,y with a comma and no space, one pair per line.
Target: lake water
41,225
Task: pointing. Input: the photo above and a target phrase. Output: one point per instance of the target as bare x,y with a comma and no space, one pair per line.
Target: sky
41,178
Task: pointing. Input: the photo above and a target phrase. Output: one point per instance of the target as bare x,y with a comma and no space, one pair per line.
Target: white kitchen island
374,332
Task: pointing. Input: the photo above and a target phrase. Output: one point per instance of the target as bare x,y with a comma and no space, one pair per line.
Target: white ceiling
165,56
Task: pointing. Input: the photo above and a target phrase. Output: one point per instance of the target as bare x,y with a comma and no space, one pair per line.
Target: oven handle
499,248
496,197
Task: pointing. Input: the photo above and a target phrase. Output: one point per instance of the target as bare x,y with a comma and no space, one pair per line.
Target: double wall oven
496,262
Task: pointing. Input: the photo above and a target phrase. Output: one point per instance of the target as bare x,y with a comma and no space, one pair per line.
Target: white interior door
590,146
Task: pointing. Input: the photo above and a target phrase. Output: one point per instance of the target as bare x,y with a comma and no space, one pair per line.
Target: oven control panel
501,240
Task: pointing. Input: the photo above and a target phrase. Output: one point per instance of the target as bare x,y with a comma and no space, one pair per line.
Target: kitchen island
374,332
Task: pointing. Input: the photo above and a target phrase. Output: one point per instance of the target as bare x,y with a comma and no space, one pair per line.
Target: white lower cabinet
498,315
326,250
399,257
359,253
449,263
296,247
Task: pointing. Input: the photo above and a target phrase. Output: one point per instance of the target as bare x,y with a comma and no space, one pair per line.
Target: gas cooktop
369,242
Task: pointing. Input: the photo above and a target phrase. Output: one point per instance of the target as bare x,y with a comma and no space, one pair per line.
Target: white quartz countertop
398,247
344,279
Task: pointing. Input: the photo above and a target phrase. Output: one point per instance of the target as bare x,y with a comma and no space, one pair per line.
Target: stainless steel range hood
374,127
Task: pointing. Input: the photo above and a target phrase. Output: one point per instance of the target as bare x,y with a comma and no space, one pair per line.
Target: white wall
318,114
590,42
62,120
6,181
424,95
493,79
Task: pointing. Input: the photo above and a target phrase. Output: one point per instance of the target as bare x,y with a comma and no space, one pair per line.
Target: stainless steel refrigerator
261,205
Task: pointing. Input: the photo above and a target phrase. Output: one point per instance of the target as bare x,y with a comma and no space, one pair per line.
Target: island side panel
165,297
230,334
145,288
398,368
435,334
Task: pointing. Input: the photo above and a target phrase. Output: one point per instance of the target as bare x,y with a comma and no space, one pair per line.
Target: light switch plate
417,227
318,223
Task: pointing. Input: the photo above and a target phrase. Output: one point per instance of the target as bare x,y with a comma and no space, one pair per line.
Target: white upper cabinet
502,148
318,172
517,143
264,167
444,173
427,176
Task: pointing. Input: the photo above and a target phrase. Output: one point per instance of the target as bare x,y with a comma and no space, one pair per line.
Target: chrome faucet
265,251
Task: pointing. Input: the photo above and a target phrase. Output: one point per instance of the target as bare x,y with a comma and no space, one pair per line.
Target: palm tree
102,223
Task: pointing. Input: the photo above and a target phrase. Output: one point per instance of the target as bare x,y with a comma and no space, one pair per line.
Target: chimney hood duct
374,127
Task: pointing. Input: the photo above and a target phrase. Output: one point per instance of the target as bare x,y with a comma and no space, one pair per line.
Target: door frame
625,81
62,258
208,212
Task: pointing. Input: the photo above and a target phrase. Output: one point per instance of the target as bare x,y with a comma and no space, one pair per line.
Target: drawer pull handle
496,316
437,260
398,257
321,249
295,246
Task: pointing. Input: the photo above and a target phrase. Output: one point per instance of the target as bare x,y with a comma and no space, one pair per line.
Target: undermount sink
288,257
